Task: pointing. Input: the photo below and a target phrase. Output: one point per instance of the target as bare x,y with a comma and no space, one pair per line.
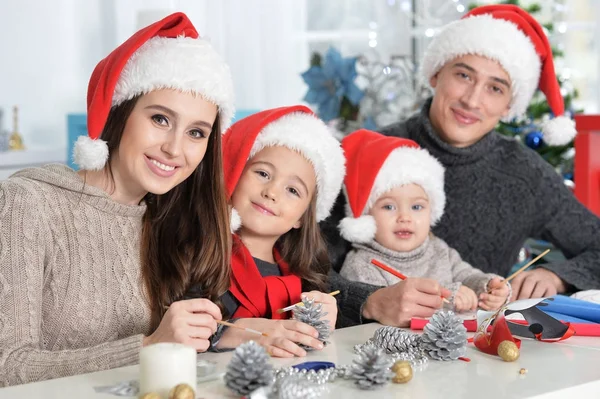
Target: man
484,68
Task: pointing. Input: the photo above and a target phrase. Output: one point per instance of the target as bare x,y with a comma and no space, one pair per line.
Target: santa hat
296,128
377,164
165,55
511,36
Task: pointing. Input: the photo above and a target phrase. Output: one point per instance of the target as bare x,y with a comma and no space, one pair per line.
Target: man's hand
397,304
537,283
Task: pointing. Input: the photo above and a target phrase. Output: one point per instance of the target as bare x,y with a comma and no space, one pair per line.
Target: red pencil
394,272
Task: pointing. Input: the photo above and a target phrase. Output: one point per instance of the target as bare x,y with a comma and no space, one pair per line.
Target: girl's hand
282,340
328,304
190,322
496,296
465,299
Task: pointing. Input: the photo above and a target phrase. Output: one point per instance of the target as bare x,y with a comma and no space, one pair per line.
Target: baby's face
403,218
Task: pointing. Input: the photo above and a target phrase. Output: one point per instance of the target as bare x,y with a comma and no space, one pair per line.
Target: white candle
164,365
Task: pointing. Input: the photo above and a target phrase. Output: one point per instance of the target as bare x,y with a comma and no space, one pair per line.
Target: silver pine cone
248,369
397,340
296,387
445,336
371,368
312,314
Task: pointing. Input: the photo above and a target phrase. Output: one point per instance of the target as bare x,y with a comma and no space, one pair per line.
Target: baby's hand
328,305
465,299
498,291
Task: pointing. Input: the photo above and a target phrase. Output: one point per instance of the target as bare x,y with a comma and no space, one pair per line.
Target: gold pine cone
403,372
182,391
508,351
150,395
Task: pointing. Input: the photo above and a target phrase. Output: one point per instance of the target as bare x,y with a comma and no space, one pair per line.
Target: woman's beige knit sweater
71,298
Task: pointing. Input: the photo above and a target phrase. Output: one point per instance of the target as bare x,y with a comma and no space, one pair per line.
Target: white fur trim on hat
235,221
90,154
309,136
407,165
493,38
559,131
186,64
359,230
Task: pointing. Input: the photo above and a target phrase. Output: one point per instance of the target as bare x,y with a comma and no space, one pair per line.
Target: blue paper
572,310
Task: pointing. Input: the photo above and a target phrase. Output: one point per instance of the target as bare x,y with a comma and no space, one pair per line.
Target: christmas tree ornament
445,336
402,372
508,351
398,344
371,368
248,369
312,314
534,140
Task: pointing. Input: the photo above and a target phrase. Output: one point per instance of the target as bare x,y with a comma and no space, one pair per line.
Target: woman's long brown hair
305,251
186,238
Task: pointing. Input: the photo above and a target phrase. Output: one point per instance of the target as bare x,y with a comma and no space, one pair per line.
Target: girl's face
274,191
403,218
164,141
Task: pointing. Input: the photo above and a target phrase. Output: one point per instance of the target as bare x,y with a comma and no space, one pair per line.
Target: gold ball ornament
508,351
403,372
150,395
182,391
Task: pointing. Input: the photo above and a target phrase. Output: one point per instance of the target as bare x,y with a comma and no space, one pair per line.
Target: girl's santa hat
165,55
296,128
511,36
377,164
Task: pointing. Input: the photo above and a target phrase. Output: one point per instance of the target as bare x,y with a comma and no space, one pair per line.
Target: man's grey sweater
499,193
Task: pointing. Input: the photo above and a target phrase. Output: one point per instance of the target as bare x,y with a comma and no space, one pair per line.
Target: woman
90,260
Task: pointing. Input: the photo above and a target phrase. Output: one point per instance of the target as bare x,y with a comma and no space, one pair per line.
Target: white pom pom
360,230
235,221
90,154
559,131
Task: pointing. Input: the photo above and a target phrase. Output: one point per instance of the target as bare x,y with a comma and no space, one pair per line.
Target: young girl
395,192
89,260
283,170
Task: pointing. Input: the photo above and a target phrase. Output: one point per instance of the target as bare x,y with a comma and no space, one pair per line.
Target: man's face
472,94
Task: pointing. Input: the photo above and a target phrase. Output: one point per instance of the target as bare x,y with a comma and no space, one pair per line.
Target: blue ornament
330,82
534,140
568,176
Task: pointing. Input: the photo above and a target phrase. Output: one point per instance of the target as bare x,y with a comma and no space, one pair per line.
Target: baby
395,193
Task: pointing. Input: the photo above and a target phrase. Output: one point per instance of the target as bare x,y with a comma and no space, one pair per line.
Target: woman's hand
283,336
190,322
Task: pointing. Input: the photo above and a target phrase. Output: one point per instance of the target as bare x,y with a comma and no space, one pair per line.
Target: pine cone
312,314
445,336
371,368
397,340
248,369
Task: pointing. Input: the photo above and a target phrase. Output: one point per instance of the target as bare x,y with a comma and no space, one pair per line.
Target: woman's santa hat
375,165
165,55
296,128
509,35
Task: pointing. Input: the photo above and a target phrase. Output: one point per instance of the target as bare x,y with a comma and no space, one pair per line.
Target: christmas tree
528,129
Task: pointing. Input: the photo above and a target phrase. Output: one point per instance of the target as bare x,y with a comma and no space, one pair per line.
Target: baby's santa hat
165,55
511,36
296,128
377,164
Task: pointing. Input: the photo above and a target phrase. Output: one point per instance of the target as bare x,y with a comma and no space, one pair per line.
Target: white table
555,370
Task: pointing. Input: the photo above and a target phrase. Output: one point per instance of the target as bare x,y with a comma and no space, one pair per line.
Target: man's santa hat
165,55
377,164
296,128
511,36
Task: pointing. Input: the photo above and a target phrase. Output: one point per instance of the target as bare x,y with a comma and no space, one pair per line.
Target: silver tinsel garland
312,314
248,369
445,336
